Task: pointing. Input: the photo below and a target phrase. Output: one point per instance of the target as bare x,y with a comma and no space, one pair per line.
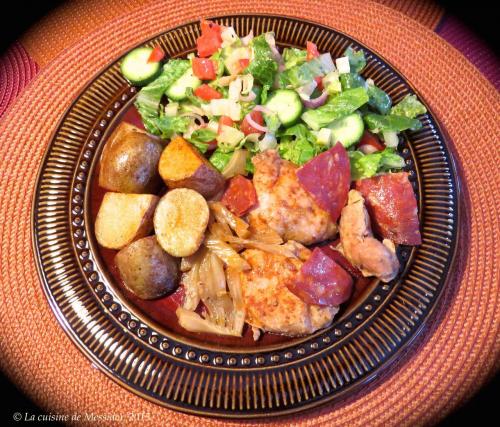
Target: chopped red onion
306,90
254,124
275,53
250,97
262,109
316,102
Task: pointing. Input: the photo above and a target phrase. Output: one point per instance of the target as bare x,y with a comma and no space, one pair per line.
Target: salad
241,96
284,184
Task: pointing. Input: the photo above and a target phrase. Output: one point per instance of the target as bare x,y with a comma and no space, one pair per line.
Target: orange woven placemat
458,349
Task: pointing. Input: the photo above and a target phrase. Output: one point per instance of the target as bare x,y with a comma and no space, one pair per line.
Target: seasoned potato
123,218
146,269
129,161
181,165
180,221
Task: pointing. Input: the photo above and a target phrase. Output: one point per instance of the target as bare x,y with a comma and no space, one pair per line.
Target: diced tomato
247,128
371,139
204,68
327,178
207,45
341,260
312,51
319,83
224,120
392,205
321,281
208,26
244,63
240,195
207,92
210,40
156,55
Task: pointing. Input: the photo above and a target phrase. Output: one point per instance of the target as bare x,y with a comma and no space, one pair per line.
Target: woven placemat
456,352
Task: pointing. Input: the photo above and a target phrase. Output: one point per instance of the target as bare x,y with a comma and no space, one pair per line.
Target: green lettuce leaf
200,137
391,123
363,165
149,97
302,74
219,61
337,106
219,159
168,126
351,80
293,56
263,67
249,167
272,122
367,165
297,144
409,107
378,99
263,94
192,98
357,60
391,160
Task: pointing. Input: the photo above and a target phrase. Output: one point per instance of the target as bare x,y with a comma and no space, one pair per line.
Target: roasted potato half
129,161
180,221
182,166
123,218
146,269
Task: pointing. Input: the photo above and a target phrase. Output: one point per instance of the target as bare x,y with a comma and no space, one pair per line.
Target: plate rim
217,413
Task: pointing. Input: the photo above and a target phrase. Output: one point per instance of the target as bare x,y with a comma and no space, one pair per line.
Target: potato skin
182,166
129,161
147,270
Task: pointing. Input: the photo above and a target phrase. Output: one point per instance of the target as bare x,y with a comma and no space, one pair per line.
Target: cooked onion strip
191,282
218,276
236,165
225,216
234,285
226,253
265,234
193,322
239,321
266,247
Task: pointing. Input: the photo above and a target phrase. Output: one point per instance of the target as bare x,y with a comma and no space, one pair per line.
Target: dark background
479,16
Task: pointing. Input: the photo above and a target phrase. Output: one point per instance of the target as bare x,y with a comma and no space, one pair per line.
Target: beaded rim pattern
227,382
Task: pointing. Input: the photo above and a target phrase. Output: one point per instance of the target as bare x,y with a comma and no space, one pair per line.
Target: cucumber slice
287,104
136,68
348,130
177,91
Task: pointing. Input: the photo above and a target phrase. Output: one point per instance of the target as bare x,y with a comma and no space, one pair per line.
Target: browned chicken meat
268,302
371,256
284,205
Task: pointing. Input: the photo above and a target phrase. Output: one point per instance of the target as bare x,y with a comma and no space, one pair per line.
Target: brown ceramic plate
140,345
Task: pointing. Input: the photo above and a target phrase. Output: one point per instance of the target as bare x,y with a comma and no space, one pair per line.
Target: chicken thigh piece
270,305
284,205
371,256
